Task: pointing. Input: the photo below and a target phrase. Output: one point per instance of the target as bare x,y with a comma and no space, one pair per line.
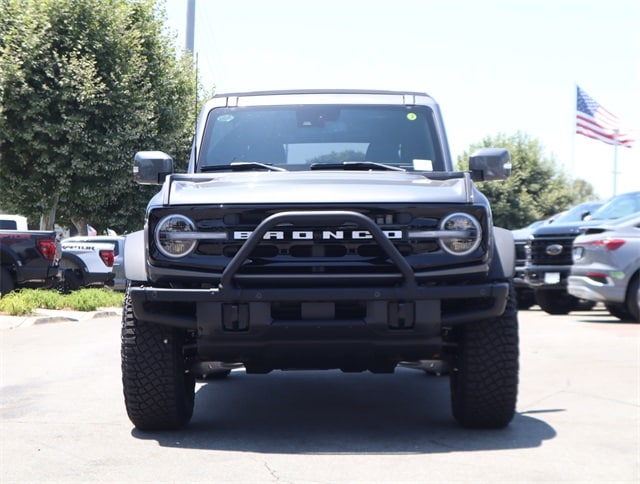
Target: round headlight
170,236
467,236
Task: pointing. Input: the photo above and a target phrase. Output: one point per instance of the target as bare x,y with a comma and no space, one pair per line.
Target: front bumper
519,279
547,277
207,309
353,329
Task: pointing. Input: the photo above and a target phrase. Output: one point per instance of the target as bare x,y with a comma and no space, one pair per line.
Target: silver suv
319,230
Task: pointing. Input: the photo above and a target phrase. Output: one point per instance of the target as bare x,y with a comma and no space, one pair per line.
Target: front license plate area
552,278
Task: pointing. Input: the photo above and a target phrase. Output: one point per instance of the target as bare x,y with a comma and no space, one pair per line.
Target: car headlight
466,234
169,235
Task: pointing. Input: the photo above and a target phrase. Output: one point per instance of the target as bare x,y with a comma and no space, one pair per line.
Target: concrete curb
47,316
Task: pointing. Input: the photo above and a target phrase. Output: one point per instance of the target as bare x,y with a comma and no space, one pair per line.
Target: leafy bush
25,301
16,304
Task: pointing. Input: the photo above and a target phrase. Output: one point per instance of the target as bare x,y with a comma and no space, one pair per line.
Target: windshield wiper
356,166
240,166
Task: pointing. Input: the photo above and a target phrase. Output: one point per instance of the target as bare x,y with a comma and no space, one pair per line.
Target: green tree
535,190
84,84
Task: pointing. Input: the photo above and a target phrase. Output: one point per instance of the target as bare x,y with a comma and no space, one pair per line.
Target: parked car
549,259
524,293
85,264
582,211
606,267
119,281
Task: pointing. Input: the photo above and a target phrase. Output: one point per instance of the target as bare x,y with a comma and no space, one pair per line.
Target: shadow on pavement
333,412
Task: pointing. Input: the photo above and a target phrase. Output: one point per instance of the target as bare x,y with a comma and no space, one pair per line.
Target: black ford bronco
319,230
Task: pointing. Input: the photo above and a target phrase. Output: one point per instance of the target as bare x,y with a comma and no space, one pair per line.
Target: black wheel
619,310
633,298
6,282
556,301
69,281
484,378
158,391
526,298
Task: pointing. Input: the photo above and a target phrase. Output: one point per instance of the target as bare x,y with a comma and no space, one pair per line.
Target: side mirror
151,167
488,164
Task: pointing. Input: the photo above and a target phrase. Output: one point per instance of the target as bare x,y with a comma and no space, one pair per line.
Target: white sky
495,66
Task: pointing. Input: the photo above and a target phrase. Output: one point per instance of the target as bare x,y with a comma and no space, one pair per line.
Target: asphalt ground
62,416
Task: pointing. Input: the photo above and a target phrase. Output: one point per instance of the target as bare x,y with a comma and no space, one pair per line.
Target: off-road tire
6,282
556,302
158,391
484,378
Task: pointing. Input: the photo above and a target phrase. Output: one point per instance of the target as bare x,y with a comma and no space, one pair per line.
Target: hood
571,228
522,234
313,187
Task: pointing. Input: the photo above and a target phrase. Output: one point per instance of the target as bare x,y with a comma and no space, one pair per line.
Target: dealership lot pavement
63,420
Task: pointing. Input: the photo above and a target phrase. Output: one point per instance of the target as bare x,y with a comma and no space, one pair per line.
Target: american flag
594,121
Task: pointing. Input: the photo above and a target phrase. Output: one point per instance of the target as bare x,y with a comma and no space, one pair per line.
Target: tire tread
158,392
484,381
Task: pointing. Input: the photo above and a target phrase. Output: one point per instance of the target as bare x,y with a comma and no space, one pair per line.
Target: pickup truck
28,259
13,222
118,283
85,264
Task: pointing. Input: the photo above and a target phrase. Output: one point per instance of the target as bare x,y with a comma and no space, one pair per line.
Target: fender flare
135,266
503,264
74,259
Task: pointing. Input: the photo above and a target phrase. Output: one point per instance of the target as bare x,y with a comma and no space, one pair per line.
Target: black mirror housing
151,167
488,164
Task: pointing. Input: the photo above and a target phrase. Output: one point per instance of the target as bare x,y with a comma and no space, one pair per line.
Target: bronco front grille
340,248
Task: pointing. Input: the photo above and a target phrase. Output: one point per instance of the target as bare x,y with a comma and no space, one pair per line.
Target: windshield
577,213
297,137
617,207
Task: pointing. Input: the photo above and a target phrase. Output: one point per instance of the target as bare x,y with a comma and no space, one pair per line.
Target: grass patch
25,301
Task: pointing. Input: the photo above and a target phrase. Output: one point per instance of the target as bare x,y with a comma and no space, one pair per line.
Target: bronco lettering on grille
319,235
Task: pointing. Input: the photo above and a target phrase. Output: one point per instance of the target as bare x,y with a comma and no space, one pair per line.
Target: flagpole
573,142
615,162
